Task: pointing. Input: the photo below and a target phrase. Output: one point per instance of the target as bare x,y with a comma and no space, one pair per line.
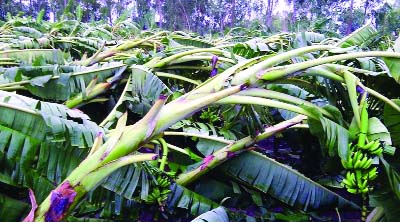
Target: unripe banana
358,176
364,161
163,183
151,198
347,183
372,174
368,163
156,192
357,156
368,146
350,162
365,190
378,151
363,185
358,164
353,178
166,191
163,198
375,146
352,190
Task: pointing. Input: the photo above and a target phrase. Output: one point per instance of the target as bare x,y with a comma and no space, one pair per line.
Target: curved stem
270,94
251,100
178,149
174,76
189,67
172,58
200,57
249,74
171,133
164,153
282,71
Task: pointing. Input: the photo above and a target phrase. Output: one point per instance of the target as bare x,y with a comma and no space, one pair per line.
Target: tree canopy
210,16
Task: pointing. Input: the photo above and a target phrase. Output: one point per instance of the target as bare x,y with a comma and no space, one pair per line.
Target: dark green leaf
282,182
391,119
216,215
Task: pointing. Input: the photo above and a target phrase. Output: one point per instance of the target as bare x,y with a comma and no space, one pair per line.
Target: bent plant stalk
116,151
234,149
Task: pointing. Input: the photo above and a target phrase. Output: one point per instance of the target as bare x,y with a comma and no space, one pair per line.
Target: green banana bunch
355,182
358,164
160,192
373,147
163,181
357,160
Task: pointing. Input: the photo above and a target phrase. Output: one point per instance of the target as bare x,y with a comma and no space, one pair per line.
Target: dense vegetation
111,123
333,17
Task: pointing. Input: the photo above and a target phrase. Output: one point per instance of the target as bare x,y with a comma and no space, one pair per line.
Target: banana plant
174,77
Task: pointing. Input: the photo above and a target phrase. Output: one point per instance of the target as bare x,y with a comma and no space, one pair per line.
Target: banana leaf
282,182
360,37
41,142
29,56
391,119
216,215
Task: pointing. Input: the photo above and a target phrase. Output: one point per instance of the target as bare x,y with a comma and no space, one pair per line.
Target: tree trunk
366,5
233,3
350,18
159,12
293,18
270,6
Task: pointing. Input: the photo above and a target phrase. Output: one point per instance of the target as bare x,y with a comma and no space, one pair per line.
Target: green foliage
209,109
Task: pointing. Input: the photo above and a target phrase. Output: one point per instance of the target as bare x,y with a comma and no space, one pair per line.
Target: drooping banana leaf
360,37
216,215
282,182
28,31
126,180
82,44
333,137
307,38
393,177
144,89
29,56
58,82
392,121
187,41
252,48
26,43
182,197
41,140
134,180
394,64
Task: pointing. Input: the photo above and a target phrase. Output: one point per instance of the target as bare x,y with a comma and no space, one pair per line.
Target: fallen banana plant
225,97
